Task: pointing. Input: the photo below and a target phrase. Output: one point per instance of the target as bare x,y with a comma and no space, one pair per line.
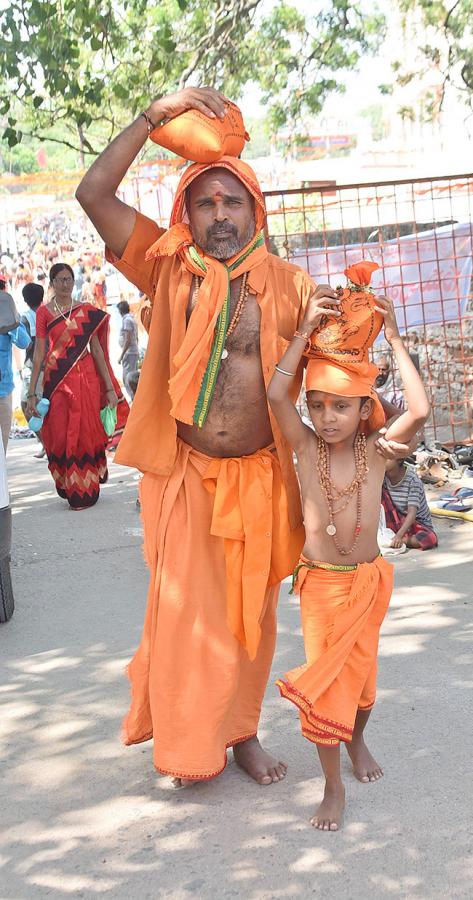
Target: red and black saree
72,431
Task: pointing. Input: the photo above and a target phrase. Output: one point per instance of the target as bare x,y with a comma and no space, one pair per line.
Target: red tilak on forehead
217,195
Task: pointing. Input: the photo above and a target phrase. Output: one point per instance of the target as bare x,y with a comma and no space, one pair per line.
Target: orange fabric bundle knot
194,136
338,355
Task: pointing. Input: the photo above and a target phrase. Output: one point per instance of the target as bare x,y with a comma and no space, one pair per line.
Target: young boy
344,585
406,508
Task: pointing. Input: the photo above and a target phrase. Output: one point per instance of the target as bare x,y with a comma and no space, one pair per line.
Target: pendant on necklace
331,529
224,353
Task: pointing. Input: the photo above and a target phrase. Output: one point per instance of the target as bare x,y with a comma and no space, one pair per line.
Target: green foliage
449,29
18,159
78,70
260,143
376,117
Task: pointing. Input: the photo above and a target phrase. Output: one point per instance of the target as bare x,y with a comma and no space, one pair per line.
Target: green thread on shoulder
210,376
209,379
196,258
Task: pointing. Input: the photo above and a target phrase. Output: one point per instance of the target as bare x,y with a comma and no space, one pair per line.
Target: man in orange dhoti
344,584
220,499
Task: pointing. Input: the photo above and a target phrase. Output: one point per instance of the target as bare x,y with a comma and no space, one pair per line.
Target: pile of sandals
457,504
436,464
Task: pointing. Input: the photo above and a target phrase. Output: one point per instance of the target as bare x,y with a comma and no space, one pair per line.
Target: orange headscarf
195,364
338,356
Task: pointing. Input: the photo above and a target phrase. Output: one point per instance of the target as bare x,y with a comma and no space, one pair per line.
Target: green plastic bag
108,418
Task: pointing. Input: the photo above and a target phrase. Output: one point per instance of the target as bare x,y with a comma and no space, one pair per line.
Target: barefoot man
220,499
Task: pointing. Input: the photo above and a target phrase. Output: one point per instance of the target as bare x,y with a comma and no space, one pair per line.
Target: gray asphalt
83,816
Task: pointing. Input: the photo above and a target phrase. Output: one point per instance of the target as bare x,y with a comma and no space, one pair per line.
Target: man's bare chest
243,336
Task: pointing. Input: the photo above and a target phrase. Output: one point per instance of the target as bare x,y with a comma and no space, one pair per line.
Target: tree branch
90,150
242,9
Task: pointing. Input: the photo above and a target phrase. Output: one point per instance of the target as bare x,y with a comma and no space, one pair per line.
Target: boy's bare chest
339,498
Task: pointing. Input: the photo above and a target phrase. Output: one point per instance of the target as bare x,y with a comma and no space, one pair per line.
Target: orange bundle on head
338,354
195,136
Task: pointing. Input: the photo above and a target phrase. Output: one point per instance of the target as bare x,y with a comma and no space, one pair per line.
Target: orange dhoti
217,543
342,610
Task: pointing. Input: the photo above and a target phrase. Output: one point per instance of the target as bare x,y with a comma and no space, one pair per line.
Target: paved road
83,816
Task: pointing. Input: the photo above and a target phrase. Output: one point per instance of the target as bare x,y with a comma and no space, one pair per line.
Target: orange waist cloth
250,513
212,559
342,613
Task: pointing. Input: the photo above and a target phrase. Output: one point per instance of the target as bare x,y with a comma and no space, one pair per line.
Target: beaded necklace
345,495
244,291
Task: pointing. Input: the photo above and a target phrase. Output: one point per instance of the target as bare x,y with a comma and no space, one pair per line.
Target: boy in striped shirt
406,508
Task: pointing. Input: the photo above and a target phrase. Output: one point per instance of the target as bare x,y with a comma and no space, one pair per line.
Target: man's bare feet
264,768
365,767
330,812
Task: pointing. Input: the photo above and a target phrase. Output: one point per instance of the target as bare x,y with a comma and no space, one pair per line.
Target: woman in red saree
78,381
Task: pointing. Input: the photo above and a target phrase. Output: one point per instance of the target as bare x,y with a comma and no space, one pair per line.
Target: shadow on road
83,816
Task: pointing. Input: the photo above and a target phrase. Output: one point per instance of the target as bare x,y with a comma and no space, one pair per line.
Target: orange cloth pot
195,136
338,354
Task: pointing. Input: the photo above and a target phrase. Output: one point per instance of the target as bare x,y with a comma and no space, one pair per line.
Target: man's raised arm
113,219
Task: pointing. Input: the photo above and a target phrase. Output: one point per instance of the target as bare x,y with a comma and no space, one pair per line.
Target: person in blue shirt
33,295
20,337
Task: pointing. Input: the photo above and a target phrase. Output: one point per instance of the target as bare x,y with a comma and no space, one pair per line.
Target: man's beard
381,379
225,249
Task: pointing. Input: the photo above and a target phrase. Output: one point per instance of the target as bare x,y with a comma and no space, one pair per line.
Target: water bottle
36,422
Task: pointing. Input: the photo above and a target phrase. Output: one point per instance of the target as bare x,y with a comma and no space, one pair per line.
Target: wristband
303,335
149,123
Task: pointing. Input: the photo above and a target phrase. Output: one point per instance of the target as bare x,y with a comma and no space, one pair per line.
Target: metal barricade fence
420,233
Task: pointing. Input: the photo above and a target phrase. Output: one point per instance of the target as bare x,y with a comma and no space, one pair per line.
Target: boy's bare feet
365,766
264,768
330,812
184,782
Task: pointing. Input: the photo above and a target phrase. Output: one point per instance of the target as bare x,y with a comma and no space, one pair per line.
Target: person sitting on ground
385,383
406,508
33,295
344,584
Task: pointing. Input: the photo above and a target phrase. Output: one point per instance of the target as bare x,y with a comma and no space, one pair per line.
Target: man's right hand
209,101
114,219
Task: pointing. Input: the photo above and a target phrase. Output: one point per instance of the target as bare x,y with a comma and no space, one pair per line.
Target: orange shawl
196,360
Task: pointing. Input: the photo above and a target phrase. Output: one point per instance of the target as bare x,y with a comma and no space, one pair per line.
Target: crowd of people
43,240
66,363
215,431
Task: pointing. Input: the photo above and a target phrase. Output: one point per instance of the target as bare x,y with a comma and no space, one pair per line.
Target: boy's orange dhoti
217,542
342,611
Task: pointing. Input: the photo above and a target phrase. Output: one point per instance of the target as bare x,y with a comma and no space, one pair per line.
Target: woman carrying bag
72,340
